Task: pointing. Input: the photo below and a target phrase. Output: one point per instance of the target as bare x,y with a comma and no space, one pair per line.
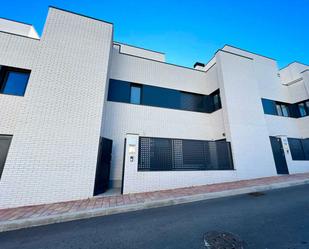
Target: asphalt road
277,219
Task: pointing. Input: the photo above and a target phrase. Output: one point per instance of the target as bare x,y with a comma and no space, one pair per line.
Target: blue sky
190,31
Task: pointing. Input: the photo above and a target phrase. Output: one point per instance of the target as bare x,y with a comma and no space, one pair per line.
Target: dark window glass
119,91
294,111
307,106
135,97
161,97
296,148
285,110
302,109
279,110
305,144
14,81
5,142
217,101
192,102
269,107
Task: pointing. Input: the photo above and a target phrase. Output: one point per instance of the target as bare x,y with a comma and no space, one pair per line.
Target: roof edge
79,14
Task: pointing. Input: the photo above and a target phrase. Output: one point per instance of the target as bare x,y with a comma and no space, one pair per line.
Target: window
13,81
126,92
279,111
285,110
161,97
295,110
269,107
135,96
302,109
217,101
192,102
282,110
307,106
119,91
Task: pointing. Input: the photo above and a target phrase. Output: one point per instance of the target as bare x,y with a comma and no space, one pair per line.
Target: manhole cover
223,240
256,194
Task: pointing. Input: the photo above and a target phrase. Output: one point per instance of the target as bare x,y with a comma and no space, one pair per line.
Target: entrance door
279,156
103,166
5,142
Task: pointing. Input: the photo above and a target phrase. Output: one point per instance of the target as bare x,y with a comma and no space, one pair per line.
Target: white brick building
236,117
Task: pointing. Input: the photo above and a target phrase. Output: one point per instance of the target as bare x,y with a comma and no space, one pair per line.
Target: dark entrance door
103,166
5,142
279,156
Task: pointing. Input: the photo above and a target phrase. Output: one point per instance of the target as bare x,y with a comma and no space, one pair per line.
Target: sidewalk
17,218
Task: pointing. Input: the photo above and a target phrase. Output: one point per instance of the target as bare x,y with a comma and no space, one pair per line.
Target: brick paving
103,202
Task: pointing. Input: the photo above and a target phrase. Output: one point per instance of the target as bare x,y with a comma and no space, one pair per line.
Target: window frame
4,74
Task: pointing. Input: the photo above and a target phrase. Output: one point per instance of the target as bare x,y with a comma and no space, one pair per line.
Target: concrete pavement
276,219
23,217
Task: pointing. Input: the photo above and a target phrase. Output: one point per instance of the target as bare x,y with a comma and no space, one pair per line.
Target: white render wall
56,134
18,28
140,52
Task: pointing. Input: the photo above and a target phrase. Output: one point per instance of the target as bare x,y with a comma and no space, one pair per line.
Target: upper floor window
307,105
217,101
13,81
141,94
282,110
135,96
295,110
302,109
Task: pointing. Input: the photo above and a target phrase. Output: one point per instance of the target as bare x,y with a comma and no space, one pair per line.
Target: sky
190,31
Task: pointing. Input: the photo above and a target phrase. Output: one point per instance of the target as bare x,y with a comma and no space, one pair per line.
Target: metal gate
168,154
103,166
279,156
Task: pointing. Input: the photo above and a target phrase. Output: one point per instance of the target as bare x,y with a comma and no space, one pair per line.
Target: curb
39,221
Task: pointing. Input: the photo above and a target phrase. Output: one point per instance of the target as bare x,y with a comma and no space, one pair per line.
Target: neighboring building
66,95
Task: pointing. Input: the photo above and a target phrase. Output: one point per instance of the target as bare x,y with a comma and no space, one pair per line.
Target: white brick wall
55,141
57,124
120,118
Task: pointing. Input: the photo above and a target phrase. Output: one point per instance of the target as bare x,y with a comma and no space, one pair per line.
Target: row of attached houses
81,113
